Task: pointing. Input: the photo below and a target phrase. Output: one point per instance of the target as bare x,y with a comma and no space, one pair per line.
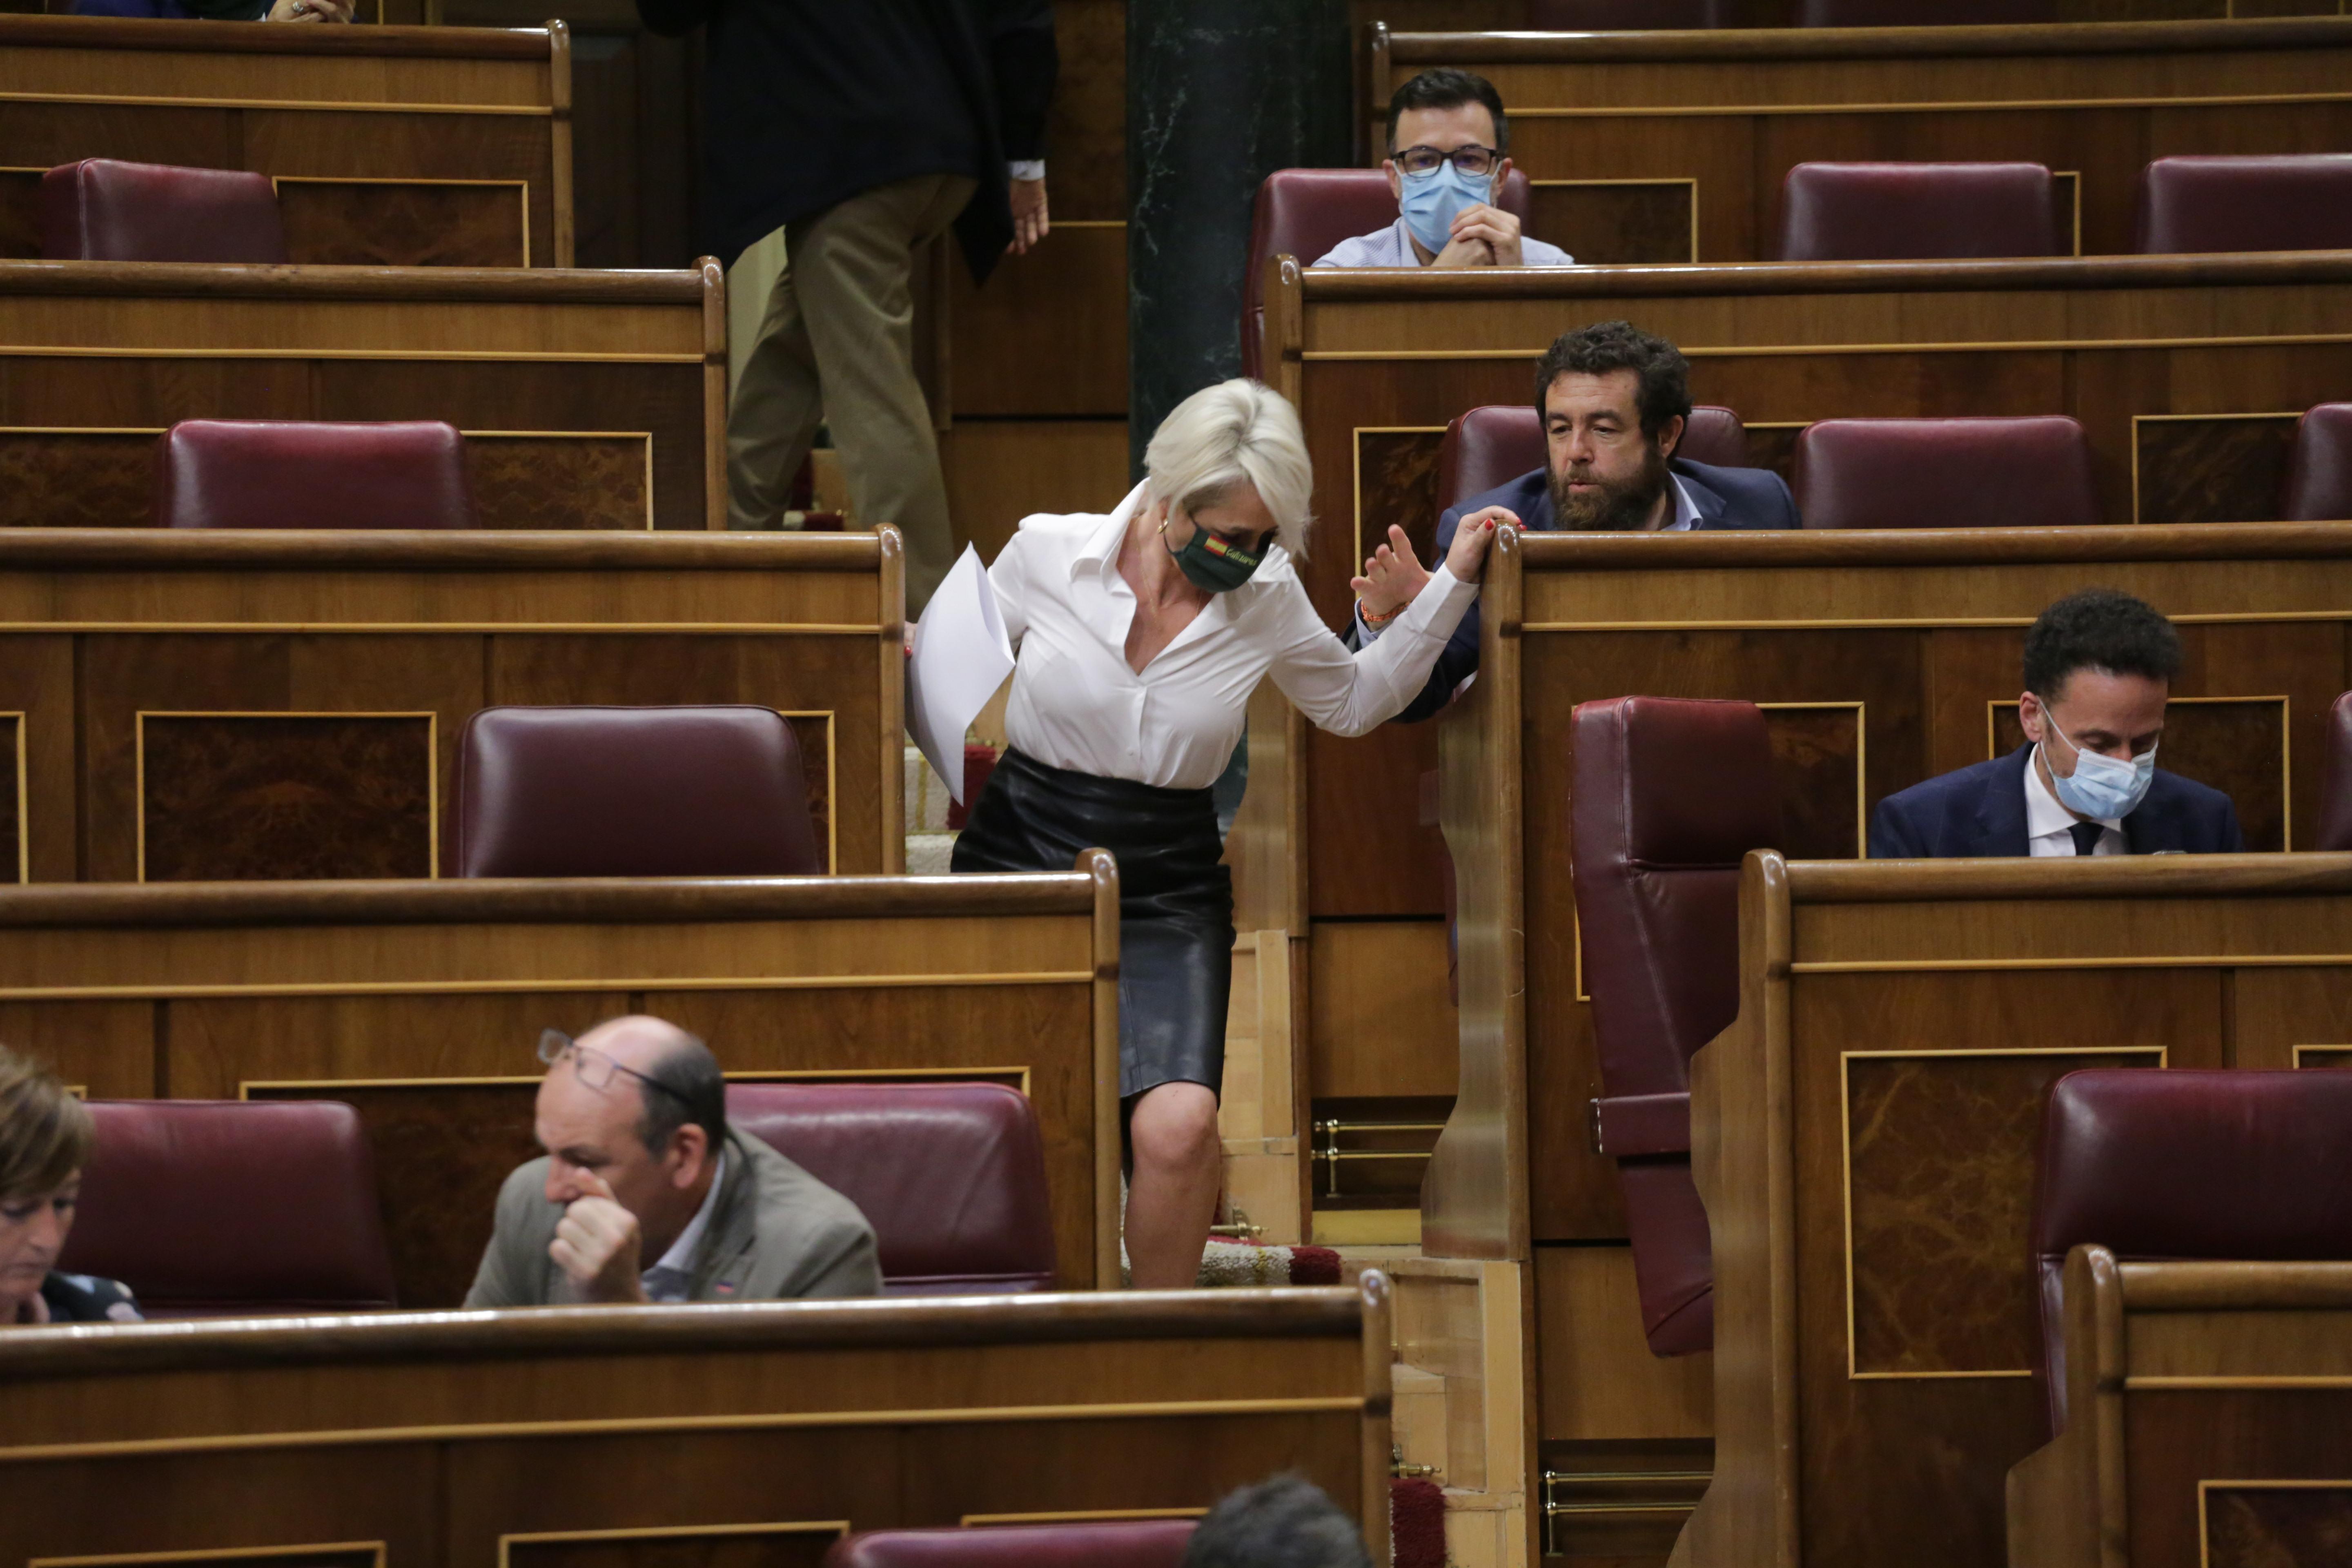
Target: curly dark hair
1443,86
1284,1523
1605,346
2102,629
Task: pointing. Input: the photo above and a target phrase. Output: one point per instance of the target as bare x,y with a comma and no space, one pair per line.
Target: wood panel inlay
1817,756
1396,482
813,731
1617,223
2220,470
335,1554
14,847
20,214
2251,1525
2330,1057
1774,447
1941,1150
404,223
77,478
560,480
252,796
2236,744
701,1546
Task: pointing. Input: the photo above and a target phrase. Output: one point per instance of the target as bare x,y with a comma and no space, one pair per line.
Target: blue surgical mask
1430,201
2101,786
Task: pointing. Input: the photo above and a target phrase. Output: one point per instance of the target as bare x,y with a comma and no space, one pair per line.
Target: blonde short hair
1233,434
45,1132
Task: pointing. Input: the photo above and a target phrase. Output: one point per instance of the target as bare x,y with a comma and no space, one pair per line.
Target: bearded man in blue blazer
2099,667
1613,400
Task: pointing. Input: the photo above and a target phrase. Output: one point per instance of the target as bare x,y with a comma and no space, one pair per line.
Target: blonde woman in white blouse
1141,634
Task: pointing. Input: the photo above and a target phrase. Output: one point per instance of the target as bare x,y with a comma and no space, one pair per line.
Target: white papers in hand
961,657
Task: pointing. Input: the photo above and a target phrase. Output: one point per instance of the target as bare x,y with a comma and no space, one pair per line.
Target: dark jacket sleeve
1893,836
1024,62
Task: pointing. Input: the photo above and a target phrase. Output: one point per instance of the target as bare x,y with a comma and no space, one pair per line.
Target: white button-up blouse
1077,705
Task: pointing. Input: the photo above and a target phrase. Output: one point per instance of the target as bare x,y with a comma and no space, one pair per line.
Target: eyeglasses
1474,160
594,1067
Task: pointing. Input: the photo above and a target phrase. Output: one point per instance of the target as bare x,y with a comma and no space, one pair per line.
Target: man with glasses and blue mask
2098,670
644,1193
1447,135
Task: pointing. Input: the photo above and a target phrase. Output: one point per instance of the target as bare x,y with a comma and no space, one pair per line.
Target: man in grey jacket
644,1195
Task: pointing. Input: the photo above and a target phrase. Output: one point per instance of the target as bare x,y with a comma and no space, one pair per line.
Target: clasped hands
597,1245
1393,576
1481,236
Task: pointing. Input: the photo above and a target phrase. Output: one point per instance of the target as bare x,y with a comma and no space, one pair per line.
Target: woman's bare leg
1171,1198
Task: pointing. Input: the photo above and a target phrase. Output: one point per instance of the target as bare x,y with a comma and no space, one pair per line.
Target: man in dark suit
862,131
1613,401
2099,670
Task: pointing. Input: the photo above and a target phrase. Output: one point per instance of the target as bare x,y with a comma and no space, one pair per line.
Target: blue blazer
1981,810
1725,497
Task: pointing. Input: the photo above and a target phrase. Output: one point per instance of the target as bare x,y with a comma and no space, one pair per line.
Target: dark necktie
2086,836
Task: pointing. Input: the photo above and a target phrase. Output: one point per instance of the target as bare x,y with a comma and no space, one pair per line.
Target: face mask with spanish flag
1212,564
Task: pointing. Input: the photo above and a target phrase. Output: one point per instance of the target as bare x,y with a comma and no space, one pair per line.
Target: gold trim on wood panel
1929,622
2175,418
1955,106
756,1075
319,105
837,1528
1080,1516
487,356
2076,176
162,993
2114,961
1861,766
1768,350
1845,1178
2300,1380
23,798
2204,1522
1993,706
523,187
214,1554
371,628
646,436
432,760
1356,462
1689,180
832,777
765,1421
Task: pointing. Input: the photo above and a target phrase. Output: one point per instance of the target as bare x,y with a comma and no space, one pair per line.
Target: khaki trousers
837,343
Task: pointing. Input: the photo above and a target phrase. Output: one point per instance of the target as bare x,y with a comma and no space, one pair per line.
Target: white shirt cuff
1027,168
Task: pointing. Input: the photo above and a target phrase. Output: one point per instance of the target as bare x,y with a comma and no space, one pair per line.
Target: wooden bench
389,146
159,690
626,1436
421,1004
1671,146
590,399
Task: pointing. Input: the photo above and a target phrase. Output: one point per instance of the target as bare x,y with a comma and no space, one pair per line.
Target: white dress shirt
2049,825
1077,705
1392,246
671,1279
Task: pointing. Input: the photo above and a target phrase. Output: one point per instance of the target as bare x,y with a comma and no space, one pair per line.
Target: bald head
640,1104
676,1078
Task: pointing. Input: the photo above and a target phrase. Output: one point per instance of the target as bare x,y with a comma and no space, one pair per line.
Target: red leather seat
1668,795
2034,472
631,792
205,1207
1098,1543
1305,212
1626,16
2319,467
2336,786
951,1176
2281,202
285,473
103,210
1901,212
1496,442
2241,1166
1923,13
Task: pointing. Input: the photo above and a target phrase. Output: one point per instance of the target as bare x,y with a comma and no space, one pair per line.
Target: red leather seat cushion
1945,473
951,1176
1891,212
271,473
2319,467
1495,443
1625,15
1096,1544
2335,790
1923,13
2245,1166
2286,201
1666,797
1305,212
103,210
206,1207
631,792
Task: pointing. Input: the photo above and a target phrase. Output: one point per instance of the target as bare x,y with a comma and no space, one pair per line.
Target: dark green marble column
1220,93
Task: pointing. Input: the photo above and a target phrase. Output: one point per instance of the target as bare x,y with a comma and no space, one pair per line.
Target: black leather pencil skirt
1175,901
